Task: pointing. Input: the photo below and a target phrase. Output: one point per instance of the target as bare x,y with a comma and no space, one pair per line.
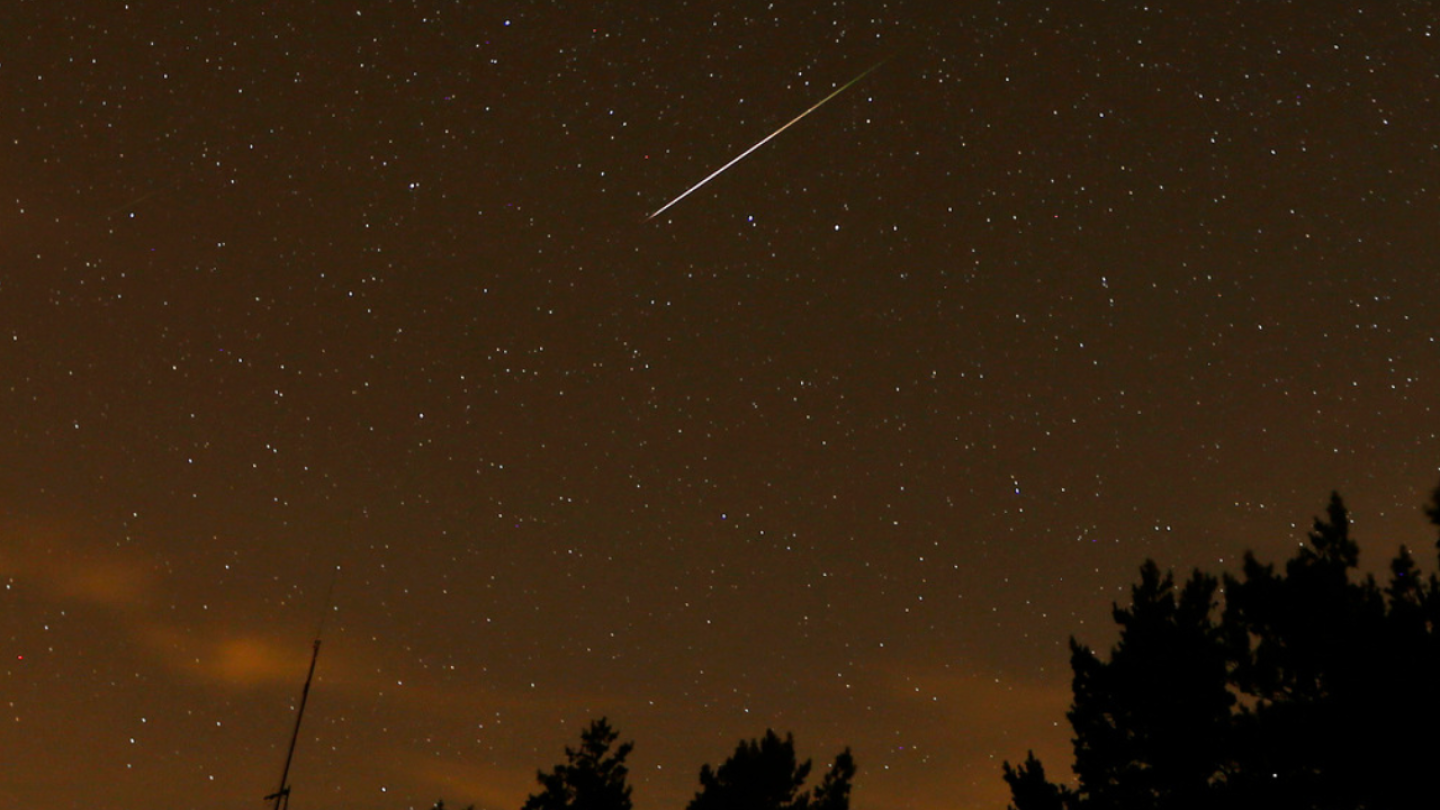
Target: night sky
848,442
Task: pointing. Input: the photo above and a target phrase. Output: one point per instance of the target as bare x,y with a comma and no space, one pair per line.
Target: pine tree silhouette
764,774
1316,689
593,776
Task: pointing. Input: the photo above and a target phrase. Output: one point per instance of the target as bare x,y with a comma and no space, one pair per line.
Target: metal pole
282,796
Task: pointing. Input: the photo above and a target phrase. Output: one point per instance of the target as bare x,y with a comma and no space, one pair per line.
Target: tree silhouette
1148,722
1315,689
1340,675
1296,641
764,774
592,777
1031,791
833,792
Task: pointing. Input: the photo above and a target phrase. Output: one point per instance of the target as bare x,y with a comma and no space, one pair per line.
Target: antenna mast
282,796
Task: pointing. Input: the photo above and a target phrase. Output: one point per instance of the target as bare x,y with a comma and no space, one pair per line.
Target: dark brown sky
847,443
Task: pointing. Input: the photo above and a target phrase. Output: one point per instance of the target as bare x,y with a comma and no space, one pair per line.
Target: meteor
763,141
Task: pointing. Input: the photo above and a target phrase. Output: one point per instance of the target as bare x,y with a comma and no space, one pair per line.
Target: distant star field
847,443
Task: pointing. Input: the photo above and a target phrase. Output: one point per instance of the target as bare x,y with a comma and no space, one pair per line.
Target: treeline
1309,687
762,774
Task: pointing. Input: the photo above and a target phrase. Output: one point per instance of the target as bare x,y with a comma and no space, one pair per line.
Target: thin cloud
462,784
59,563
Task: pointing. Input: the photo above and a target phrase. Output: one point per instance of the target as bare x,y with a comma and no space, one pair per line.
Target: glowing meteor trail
766,140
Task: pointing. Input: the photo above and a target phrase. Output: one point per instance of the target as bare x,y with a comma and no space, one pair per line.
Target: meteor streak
764,141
